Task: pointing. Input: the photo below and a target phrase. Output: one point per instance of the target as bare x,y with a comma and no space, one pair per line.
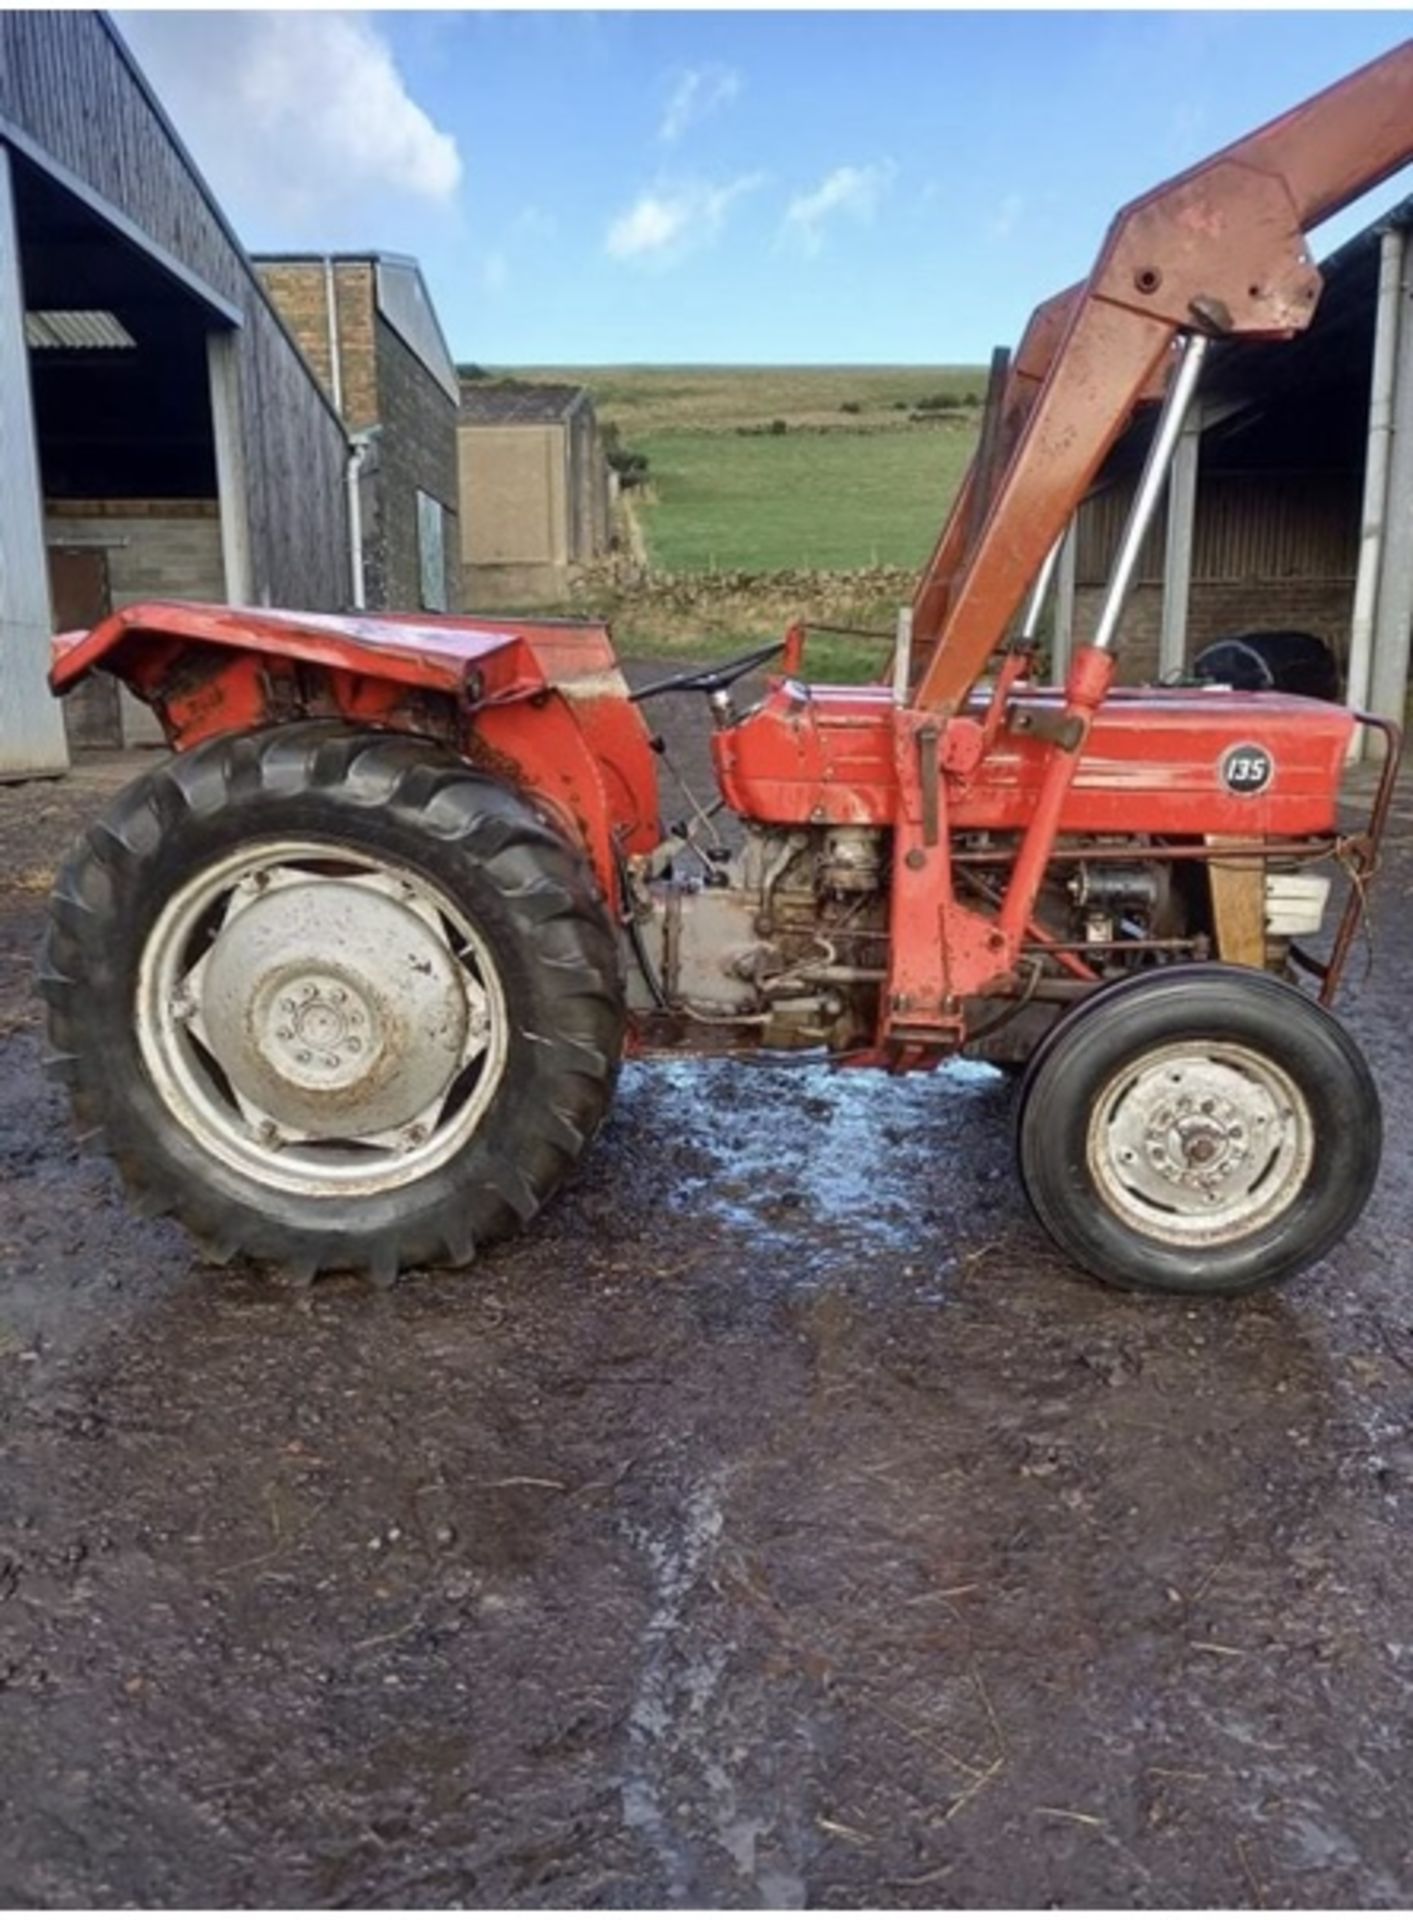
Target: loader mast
1217,251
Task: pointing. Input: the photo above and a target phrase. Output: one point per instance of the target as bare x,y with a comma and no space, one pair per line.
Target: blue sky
586,188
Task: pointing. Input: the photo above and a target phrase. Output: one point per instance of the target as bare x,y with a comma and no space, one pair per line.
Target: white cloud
851,192
303,116
667,222
695,93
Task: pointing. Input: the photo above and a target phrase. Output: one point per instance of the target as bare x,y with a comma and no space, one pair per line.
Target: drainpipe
357,447
1376,469
335,345
356,443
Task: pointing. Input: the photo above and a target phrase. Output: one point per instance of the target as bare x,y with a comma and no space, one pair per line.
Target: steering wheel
711,679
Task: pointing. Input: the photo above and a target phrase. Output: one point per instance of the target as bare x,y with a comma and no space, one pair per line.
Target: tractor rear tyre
333,999
1199,1130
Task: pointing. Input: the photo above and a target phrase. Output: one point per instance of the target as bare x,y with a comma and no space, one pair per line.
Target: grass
651,400
823,500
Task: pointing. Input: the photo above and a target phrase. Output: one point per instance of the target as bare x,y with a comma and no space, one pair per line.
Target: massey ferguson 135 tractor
345,982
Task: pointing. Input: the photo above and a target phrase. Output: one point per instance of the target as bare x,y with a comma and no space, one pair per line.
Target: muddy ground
778,1522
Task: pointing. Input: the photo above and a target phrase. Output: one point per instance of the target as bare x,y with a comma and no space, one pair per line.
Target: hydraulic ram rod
1192,352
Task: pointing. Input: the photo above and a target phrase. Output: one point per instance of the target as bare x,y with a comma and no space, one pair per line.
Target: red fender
541,704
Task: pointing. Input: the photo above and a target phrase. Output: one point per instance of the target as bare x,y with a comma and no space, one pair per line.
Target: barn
366,324
160,432
534,490
1290,504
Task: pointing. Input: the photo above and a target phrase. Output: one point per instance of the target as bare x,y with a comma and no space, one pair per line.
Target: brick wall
299,289
358,352
1220,607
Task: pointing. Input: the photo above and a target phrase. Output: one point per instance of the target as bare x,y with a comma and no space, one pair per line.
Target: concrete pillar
1177,553
1062,626
1388,676
31,720
223,369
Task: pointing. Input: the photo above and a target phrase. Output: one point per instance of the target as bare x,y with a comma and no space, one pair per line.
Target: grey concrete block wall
150,555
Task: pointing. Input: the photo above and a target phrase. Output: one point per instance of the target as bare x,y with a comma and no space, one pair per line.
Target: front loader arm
1029,366
1218,250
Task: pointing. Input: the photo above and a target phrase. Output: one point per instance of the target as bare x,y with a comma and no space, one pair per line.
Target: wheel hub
1202,1139
1200,1142
317,1029
320,1018
331,1004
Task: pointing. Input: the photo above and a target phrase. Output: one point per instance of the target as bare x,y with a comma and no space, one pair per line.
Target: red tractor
345,982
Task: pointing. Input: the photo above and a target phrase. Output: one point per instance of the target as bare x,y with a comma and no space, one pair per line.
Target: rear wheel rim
327,1022
1200,1144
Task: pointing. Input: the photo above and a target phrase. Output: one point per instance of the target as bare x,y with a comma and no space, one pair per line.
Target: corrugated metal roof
516,403
84,328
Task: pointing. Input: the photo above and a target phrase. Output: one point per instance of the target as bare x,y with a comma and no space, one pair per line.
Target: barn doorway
134,418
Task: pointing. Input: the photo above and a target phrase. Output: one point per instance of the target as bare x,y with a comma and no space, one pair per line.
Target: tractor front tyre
333,999
1199,1130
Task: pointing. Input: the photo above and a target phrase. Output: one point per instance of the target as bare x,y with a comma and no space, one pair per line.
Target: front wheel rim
1200,1144
325,1021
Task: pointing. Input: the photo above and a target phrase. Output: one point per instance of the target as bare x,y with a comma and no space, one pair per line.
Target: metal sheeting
1249,526
69,88
76,328
404,303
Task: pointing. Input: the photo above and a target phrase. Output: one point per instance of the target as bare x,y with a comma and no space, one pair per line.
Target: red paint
542,706
1152,763
540,703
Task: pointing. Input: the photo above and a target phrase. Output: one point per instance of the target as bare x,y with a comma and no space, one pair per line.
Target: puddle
779,1151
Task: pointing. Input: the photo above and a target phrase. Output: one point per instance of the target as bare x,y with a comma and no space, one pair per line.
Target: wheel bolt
355,1045
303,1056
284,1033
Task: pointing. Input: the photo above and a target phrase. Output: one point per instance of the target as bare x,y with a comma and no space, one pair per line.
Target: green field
644,400
762,469
760,472
806,498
